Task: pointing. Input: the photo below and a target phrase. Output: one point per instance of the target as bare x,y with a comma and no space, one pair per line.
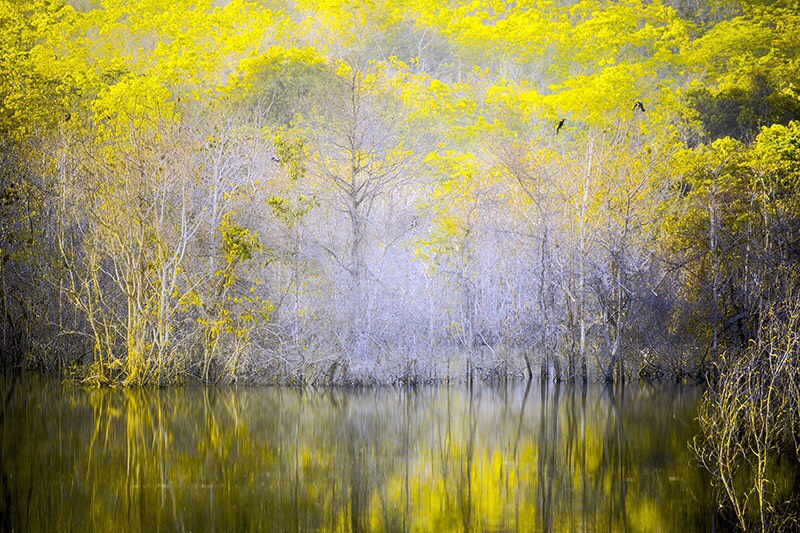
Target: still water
505,457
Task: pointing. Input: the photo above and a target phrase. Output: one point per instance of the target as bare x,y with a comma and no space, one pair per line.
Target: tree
361,150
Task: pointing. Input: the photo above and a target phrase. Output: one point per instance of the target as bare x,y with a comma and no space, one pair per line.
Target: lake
500,457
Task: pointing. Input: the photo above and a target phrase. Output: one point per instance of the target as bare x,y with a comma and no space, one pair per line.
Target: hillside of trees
379,191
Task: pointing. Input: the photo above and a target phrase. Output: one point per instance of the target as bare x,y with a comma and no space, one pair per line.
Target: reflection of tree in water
509,457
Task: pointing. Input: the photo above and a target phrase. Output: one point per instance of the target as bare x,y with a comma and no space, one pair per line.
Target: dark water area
505,457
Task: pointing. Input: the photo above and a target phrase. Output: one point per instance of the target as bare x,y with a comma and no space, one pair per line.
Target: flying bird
638,105
560,125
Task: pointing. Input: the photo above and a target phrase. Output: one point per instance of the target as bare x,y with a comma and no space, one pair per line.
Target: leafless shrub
750,426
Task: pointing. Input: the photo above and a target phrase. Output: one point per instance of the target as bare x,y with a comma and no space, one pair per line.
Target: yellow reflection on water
512,457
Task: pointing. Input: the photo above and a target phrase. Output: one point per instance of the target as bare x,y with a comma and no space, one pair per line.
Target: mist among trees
346,192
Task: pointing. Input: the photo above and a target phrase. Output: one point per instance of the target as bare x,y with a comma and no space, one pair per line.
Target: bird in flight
638,105
560,125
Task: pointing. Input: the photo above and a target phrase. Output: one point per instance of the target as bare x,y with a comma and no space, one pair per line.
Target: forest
363,192
371,192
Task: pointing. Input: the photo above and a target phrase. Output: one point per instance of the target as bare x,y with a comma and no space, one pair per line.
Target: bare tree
361,152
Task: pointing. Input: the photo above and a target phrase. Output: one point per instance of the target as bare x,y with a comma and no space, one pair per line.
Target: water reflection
499,458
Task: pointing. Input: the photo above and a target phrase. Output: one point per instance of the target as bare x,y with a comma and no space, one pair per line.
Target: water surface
505,457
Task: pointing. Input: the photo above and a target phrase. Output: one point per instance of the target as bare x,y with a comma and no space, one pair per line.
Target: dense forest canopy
377,191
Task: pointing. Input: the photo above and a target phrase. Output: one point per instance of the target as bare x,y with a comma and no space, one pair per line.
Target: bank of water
510,457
